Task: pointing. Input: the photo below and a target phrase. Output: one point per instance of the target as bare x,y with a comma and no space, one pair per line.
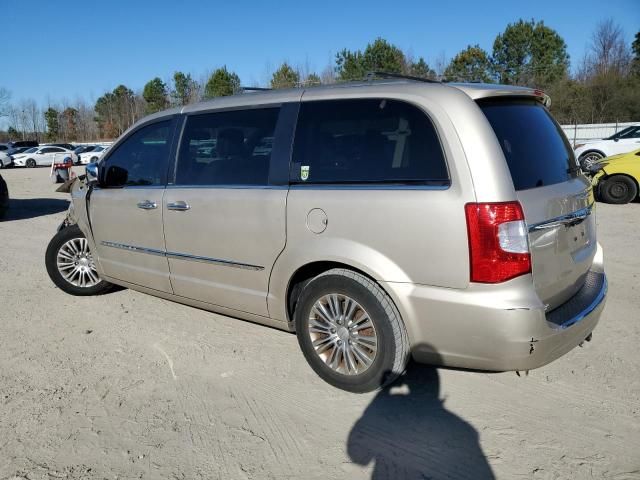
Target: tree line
604,87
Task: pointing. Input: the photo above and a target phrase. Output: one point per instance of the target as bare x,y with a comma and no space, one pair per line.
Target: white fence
593,131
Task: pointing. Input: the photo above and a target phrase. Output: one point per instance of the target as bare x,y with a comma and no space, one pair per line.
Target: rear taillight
498,241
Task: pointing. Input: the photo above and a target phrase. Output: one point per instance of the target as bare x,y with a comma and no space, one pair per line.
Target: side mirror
92,173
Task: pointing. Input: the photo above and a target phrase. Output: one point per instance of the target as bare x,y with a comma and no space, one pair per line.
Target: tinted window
227,148
365,141
141,159
632,133
535,147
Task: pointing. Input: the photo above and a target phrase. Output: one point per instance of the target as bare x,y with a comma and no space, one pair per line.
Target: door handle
178,206
147,205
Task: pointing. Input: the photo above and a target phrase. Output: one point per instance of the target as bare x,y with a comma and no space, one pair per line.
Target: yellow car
618,177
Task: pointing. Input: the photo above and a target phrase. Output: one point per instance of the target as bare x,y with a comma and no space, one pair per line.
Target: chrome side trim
132,248
182,256
567,220
216,261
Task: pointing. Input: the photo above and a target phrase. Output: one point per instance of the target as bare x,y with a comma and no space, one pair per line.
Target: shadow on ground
408,433
21,209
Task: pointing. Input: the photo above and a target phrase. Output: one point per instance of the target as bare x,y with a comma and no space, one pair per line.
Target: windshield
537,152
31,150
621,133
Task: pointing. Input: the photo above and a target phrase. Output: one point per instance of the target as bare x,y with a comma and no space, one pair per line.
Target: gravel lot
130,386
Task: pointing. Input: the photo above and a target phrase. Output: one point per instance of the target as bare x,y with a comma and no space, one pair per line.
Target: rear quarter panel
406,235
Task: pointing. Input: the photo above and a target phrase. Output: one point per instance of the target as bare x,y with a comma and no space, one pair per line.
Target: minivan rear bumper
498,327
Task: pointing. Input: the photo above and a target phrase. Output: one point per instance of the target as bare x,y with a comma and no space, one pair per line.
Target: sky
61,50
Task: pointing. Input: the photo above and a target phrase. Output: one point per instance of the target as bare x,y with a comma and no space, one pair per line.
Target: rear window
537,152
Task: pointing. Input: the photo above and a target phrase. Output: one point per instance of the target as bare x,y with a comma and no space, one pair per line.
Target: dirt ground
126,385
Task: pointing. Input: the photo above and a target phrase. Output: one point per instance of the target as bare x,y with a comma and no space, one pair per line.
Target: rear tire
350,332
618,189
70,264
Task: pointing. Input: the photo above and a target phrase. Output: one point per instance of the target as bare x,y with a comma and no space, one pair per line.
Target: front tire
350,332
30,163
618,190
588,159
70,264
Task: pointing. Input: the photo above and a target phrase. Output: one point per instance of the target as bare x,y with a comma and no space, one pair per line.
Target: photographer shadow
409,434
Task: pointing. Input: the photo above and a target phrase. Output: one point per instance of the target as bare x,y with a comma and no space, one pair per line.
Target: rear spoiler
480,91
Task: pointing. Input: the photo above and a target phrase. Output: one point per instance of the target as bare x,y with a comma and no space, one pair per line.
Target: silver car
379,221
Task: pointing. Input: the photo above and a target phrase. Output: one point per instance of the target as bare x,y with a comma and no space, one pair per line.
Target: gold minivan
379,221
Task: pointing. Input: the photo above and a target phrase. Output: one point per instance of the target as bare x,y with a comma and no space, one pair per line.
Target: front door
126,211
224,221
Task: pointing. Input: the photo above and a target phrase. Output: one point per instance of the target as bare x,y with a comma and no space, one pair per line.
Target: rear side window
227,148
366,141
536,149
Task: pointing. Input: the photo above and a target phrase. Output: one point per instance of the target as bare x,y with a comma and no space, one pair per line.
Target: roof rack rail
254,89
371,75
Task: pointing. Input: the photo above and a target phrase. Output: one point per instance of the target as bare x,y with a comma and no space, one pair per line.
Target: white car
622,142
5,160
41,156
94,155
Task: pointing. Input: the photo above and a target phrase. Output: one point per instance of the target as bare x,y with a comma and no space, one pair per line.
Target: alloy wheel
342,334
75,263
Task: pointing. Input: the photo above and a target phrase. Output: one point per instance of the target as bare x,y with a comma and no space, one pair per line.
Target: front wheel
30,163
70,264
588,159
350,331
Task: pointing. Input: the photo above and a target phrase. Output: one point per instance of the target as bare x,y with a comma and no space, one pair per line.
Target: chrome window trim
182,256
231,187
566,220
368,186
130,187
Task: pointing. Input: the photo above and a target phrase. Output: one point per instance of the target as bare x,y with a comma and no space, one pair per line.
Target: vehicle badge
304,172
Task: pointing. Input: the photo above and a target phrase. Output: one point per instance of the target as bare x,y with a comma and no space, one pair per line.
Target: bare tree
440,64
5,96
608,54
605,72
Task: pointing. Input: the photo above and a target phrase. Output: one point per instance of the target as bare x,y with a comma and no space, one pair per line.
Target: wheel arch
308,271
592,150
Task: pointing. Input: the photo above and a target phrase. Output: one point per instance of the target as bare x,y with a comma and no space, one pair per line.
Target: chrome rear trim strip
182,256
566,220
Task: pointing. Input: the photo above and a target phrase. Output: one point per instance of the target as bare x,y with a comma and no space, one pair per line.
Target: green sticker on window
304,172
